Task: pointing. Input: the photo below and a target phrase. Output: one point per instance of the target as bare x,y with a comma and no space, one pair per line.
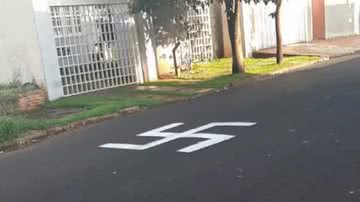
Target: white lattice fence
199,47
201,35
96,47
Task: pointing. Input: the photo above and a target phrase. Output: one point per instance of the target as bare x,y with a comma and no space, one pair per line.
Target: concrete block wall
19,43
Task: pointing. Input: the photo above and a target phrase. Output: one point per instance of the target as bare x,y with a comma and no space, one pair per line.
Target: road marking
211,139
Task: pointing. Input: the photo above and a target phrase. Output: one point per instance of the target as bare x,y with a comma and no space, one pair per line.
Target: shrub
9,96
8,128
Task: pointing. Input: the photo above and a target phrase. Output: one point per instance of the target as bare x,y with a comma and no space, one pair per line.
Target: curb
37,135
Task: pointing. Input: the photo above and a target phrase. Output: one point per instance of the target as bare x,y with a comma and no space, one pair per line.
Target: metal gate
96,47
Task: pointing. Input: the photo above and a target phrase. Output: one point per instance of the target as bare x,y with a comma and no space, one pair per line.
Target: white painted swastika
210,138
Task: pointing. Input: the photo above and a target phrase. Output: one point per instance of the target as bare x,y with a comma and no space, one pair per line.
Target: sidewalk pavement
331,48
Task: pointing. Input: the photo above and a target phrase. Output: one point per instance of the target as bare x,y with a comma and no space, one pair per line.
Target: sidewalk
331,48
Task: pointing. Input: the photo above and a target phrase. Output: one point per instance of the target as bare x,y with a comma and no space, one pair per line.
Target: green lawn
217,73
266,66
12,126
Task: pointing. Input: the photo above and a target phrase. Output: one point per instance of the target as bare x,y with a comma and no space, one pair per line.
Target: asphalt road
305,147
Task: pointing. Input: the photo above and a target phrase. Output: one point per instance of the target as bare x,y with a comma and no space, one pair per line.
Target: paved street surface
304,147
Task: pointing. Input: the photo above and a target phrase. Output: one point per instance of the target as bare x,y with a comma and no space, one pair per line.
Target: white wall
149,62
48,49
19,45
341,18
259,27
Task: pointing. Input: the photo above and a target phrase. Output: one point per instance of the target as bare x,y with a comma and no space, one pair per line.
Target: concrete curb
35,136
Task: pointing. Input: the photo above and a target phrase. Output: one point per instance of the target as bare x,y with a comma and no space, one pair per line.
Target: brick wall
31,100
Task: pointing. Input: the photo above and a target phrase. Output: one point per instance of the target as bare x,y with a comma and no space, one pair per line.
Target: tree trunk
279,45
174,57
235,33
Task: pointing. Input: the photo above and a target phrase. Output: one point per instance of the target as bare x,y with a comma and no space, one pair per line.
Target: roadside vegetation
9,95
91,106
212,75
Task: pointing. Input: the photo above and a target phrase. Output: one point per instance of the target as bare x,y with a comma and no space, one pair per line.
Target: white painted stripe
158,132
122,146
212,140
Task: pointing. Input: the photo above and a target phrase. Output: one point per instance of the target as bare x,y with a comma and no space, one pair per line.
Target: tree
234,17
277,15
279,45
171,26
167,21
233,14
